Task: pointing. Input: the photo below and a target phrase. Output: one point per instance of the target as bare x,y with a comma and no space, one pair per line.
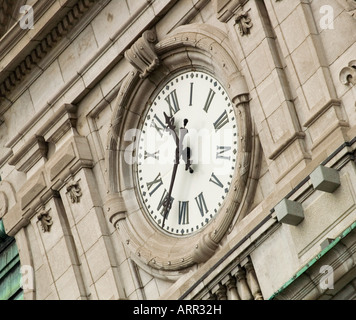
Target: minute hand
167,200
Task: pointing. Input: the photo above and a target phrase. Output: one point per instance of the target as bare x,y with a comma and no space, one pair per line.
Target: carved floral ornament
74,191
45,220
244,22
181,50
233,9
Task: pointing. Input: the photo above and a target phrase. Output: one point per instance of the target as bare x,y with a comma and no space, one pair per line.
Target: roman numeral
201,204
183,217
191,94
155,184
215,180
172,101
209,100
222,121
221,151
163,201
158,125
151,155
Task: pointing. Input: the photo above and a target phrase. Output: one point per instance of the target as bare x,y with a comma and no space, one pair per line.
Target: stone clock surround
204,49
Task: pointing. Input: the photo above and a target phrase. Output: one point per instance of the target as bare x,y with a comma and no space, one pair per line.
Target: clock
186,153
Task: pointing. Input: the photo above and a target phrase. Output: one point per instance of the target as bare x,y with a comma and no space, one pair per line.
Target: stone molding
45,184
308,285
227,9
34,150
183,49
349,6
8,13
47,43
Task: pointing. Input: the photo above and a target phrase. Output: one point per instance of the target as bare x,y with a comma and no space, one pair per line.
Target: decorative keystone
289,212
325,179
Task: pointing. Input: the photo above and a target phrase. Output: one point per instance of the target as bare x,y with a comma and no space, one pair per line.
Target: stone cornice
36,46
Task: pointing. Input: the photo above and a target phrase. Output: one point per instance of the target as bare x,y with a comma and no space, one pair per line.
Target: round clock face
187,152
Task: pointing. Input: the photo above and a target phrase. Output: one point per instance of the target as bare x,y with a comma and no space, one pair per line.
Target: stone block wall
56,117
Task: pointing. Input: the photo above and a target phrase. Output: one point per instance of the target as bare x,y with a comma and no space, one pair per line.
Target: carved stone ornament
142,54
74,191
348,74
46,221
244,22
190,47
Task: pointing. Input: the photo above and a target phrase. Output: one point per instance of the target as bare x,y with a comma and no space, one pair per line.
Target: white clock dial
184,174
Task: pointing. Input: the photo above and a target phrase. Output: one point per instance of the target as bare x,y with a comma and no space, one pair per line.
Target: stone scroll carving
348,74
142,54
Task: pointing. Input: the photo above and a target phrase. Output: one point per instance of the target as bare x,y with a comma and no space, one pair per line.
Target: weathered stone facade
75,83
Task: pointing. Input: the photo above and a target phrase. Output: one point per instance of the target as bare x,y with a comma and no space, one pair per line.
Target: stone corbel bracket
32,152
52,175
348,74
142,54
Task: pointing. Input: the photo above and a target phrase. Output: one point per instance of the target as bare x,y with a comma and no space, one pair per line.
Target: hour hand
186,154
169,122
167,206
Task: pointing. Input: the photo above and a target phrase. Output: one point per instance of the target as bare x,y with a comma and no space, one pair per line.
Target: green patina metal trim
3,235
314,260
10,275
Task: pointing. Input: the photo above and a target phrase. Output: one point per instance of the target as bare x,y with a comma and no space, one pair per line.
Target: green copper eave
314,260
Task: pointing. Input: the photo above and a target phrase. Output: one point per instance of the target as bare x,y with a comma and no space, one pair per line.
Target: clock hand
167,203
186,153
